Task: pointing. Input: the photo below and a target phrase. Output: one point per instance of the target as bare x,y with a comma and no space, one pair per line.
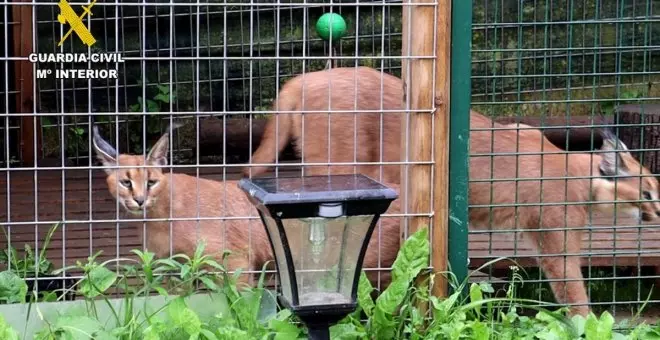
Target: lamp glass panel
282,268
325,253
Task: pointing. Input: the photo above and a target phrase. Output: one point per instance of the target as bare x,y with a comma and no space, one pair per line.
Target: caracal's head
623,179
136,187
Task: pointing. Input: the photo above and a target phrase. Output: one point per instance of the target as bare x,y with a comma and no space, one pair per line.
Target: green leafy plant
30,262
250,312
395,314
6,331
75,143
13,288
155,104
30,265
159,102
196,298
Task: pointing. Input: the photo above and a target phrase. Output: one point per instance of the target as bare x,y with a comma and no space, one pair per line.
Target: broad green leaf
412,257
231,333
208,335
12,287
480,331
152,106
283,329
382,325
475,293
442,309
97,281
549,334
183,317
591,326
48,296
598,329
163,88
554,329
545,316
646,332
364,295
346,332
162,97
392,296
605,326
6,331
486,287
283,314
416,318
579,323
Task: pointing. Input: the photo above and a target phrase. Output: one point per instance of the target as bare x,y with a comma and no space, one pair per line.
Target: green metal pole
459,136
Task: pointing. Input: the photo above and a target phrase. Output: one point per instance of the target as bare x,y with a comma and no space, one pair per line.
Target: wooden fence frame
24,82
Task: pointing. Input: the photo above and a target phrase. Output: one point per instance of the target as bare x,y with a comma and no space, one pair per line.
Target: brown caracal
505,192
147,189
339,87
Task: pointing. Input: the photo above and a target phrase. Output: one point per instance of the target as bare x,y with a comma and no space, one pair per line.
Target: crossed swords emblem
70,16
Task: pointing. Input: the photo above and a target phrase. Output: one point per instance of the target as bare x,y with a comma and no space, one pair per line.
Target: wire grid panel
556,66
216,68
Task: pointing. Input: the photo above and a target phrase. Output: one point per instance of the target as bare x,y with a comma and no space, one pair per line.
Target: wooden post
417,136
24,82
441,147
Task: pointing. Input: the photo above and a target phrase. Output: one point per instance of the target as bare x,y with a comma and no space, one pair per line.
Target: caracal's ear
104,151
612,163
158,153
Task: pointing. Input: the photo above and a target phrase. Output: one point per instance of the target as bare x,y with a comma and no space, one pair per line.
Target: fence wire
214,67
586,65
217,68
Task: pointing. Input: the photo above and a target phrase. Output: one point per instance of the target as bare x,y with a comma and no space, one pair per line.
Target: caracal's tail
276,136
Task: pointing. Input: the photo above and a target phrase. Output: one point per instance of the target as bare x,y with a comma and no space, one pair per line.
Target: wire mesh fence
218,68
214,68
213,58
559,66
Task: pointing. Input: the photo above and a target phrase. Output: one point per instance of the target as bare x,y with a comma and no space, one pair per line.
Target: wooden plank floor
86,199
627,244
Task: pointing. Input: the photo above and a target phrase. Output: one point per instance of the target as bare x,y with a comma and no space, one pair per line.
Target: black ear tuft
104,151
612,164
158,153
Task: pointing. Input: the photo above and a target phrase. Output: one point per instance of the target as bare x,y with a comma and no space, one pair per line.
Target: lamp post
319,228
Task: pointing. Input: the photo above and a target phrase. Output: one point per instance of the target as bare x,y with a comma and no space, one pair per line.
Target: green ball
331,24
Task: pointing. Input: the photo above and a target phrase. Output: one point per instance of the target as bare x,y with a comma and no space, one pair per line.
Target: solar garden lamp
319,228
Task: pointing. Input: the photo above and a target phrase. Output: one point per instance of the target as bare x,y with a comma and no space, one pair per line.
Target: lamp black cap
312,190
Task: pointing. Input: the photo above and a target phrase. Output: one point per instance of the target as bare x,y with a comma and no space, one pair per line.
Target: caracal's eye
126,183
647,195
151,183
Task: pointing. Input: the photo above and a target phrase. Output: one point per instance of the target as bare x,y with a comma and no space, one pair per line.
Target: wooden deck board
86,199
624,245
